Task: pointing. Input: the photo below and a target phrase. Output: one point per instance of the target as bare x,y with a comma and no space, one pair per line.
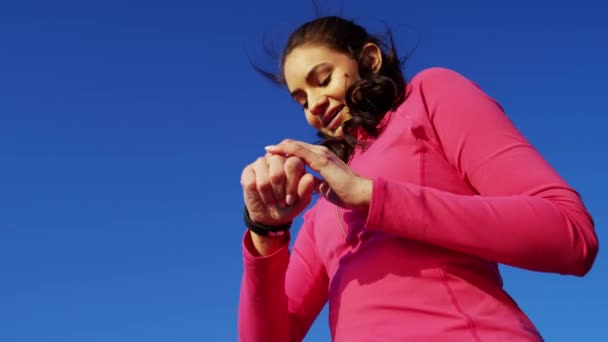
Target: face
317,78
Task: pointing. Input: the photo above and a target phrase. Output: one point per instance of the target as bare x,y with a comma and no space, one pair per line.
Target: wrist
364,194
265,230
266,245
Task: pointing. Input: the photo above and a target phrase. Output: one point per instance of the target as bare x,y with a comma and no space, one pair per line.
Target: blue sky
124,126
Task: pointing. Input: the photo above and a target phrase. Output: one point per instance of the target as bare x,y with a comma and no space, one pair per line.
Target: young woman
426,186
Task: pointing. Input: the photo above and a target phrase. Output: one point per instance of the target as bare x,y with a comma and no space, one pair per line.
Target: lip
329,120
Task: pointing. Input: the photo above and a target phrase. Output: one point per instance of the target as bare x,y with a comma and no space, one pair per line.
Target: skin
317,79
276,187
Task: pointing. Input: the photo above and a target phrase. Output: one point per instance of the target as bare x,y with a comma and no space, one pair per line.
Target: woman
426,187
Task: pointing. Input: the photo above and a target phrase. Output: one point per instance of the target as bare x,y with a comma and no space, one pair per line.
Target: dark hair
368,99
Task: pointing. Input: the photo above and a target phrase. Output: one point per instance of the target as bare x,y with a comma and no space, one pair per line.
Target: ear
371,57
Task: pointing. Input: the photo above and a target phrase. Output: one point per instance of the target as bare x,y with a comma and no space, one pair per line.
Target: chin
337,134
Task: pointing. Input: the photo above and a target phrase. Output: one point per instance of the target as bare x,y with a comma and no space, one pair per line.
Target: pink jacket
456,190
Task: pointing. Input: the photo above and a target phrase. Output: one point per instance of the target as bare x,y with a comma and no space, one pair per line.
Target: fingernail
289,199
270,147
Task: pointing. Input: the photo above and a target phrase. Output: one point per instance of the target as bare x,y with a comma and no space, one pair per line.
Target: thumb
306,187
318,185
321,187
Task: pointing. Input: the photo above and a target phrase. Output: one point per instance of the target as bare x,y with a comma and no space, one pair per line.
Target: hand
276,189
341,185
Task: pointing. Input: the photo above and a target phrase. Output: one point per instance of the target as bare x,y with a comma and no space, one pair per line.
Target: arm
525,215
281,295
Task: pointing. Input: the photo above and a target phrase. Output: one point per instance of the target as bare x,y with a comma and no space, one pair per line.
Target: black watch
263,230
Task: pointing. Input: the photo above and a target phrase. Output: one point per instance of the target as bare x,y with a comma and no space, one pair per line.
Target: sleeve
282,294
524,215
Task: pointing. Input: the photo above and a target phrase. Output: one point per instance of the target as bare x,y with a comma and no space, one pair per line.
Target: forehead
303,58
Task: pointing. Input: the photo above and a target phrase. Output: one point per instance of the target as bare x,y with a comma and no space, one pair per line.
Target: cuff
253,261
375,212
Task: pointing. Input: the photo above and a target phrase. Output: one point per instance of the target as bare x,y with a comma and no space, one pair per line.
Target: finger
294,169
277,178
305,189
319,185
248,183
317,157
263,186
326,191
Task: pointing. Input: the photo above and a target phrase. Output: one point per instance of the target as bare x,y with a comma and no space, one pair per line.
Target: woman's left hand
340,185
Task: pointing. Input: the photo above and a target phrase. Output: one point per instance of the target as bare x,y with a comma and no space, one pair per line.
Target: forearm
263,314
281,292
546,231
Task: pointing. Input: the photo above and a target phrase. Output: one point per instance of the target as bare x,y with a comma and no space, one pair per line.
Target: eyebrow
309,75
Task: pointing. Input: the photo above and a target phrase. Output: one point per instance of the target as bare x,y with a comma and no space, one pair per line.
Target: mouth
332,119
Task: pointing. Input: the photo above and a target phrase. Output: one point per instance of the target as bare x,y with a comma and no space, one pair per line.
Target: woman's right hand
276,189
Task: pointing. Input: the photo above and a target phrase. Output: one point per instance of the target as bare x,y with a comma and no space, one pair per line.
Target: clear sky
124,127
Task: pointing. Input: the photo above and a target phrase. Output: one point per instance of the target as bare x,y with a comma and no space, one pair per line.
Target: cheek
352,77
348,78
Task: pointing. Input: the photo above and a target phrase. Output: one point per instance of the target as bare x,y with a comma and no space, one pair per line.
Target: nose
319,105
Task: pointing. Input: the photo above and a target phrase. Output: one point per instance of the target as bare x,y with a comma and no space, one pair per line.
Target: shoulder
432,84
437,85
436,78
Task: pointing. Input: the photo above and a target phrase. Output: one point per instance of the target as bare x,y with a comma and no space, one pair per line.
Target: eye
325,81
